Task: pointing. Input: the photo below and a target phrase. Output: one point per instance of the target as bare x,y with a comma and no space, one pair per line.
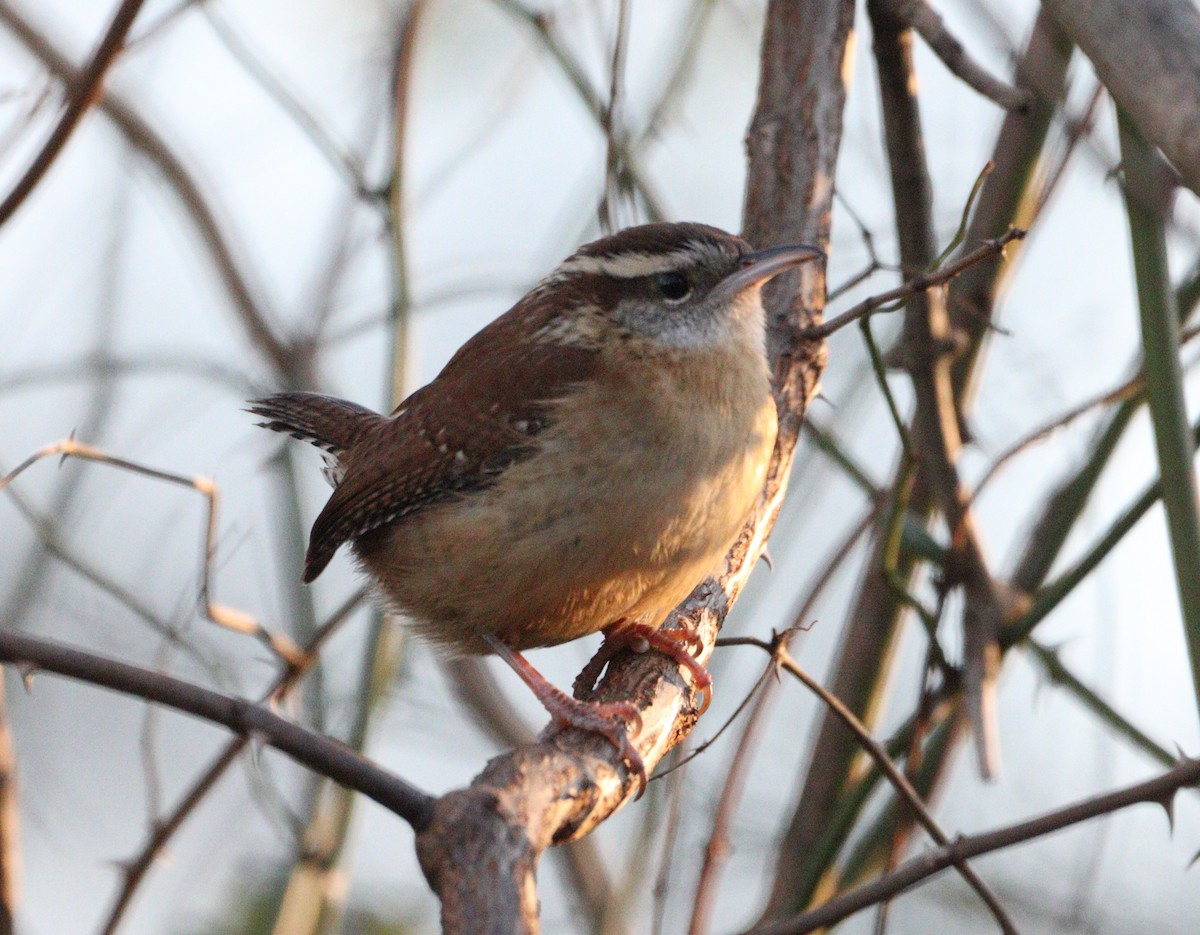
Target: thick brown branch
1147,53
927,347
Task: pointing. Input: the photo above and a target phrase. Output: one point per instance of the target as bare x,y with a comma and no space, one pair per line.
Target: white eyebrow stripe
630,265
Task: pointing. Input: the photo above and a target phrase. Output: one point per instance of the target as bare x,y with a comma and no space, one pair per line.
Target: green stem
1060,675
1057,590
1147,201
880,370
825,442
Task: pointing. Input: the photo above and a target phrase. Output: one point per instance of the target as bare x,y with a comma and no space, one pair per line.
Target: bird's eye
674,287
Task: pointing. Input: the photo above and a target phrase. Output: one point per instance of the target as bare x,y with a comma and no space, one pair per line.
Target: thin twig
880,371
289,364
135,870
916,285
336,153
85,92
755,692
1061,676
609,124
662,881
929,25
716,851
401,83
248,719
692,32
1159,790
229,617
52,543
575,74
87,366
1052,594
741,762
1127,390
1077,130
777,648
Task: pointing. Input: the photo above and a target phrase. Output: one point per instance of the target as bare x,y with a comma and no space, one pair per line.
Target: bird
579,465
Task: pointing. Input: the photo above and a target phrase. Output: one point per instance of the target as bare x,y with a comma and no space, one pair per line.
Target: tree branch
84,94
918,284
925,20
1160,790
778,650
292,364
1147,53
320,754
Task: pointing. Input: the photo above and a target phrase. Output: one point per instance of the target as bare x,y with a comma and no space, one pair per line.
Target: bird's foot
676,642
614,721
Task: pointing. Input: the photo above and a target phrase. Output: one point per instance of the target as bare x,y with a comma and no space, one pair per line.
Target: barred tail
325,421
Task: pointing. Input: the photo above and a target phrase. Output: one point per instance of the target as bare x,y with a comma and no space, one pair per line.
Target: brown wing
479,416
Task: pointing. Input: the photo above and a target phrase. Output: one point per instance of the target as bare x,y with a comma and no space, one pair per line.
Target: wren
579,465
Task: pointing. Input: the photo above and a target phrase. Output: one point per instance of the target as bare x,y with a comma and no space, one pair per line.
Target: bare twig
134,871
221,614
401,82
742,760
777,648
662,880
292,367
752,695
336,152
1077,129
1012,186
920,16
125,597
254,721
1058,673
1159,790
573,71
916,285
716,852
85,367
610,124
1126,390
84,93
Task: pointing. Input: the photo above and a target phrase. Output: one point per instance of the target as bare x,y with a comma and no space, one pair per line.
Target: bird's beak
756,268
